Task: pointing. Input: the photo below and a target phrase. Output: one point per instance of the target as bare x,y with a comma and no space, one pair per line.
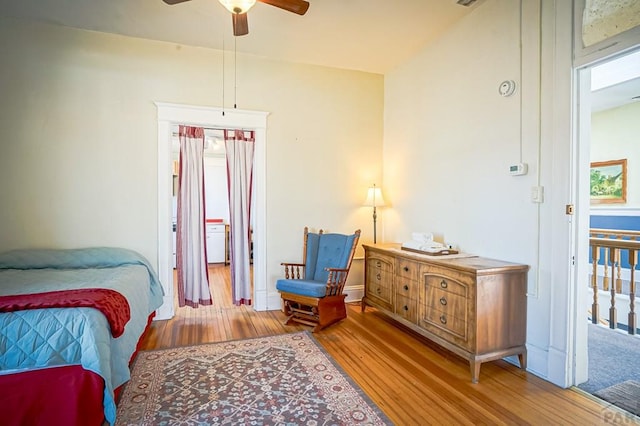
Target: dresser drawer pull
378,290
405,287
443,319
379,264
444,284
378,277
443,301
406,269
405,307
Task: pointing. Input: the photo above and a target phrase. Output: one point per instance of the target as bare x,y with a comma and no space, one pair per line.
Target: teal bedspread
70,336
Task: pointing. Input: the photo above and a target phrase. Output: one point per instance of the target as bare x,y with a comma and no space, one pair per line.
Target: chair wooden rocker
312,291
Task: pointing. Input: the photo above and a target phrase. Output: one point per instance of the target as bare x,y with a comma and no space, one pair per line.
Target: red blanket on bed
112,304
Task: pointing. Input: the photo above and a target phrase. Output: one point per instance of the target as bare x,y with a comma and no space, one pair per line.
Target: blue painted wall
628,223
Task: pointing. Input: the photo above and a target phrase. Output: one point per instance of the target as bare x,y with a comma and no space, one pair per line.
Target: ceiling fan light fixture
238,6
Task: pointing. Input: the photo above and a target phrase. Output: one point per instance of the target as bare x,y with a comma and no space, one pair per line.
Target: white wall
614,135
79,157
450,137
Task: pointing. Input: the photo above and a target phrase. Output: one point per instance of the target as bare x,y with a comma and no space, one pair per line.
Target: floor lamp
374,199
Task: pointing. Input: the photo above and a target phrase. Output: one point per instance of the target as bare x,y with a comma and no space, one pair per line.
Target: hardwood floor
413,381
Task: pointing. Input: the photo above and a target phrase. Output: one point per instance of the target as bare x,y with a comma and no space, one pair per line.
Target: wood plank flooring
413,381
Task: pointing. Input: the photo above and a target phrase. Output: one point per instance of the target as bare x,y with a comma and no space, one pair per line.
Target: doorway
606,92
172,114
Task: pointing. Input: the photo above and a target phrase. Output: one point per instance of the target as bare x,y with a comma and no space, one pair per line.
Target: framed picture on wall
609,182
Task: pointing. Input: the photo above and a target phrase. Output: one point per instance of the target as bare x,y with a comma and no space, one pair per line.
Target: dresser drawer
406,308
379,278
379,263
407,268
446,284
407,288
445,307
446,322
446,302
379,291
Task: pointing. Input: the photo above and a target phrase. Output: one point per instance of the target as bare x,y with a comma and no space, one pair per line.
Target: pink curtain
191,257
239,145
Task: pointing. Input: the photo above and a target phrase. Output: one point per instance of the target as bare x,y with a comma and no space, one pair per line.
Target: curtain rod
176,133
219,128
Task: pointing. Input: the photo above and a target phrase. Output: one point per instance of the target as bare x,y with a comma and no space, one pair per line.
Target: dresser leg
522,357
475,370
363,305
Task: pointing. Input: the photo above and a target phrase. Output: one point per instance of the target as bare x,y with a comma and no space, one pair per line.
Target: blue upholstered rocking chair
312,291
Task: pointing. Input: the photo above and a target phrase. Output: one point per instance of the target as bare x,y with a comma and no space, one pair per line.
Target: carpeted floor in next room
614,357
614,367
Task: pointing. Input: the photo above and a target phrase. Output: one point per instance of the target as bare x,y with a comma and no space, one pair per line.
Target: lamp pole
375,217
375,200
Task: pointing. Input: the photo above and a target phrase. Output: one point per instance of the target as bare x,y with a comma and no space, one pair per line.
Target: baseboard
354,293
549,365
274,302
261,303
537,361
165,311
558,374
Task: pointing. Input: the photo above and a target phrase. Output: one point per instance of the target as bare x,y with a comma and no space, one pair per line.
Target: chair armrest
293,271
336,280
336,269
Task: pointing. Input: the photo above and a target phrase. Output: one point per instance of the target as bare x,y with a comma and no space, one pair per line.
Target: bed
56,353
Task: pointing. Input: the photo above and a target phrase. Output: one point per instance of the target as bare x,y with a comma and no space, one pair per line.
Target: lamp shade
238,6
374,197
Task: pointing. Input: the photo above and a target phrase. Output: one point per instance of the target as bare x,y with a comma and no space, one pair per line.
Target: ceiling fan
239,9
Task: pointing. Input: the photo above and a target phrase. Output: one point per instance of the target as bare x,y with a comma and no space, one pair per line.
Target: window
604,27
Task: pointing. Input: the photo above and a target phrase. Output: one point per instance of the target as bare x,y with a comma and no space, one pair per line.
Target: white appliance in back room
215,241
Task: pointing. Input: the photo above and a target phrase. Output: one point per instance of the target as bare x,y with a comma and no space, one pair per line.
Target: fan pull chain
235,72
223,74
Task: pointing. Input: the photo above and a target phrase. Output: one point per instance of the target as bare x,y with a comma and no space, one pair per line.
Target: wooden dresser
473,306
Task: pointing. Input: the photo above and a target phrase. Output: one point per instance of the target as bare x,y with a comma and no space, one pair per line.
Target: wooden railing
613,244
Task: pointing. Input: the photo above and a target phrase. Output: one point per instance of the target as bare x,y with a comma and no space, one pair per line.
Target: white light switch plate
537,194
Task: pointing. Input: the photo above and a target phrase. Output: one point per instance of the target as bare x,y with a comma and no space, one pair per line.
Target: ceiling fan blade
296,6
240,24
174,1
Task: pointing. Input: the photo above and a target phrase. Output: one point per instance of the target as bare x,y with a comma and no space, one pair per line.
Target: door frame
581,162
168,115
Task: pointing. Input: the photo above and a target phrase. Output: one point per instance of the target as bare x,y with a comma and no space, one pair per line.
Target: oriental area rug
278,380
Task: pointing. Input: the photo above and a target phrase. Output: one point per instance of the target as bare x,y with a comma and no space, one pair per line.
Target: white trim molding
169,115
615,211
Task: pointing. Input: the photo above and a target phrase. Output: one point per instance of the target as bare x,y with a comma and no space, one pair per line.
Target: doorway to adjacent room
170,115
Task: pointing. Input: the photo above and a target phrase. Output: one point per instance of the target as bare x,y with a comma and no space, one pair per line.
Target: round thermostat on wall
507,88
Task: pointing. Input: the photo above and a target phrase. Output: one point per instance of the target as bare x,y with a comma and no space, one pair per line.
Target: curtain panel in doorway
191,257
240,147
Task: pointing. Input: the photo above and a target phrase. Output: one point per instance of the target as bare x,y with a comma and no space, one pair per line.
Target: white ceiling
366,35
616,83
